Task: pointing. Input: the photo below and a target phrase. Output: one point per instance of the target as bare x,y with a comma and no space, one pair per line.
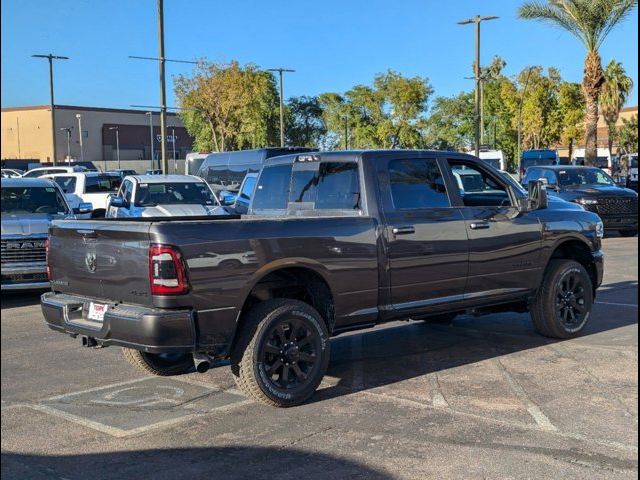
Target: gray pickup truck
28,207
332,242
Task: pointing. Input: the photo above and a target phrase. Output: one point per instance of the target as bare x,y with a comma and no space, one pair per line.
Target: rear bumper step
147,329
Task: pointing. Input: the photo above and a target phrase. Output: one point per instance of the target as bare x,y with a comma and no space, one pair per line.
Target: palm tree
590,21
615,91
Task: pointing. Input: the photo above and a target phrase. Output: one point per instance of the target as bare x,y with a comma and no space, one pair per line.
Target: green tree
450,125
628,135
590,21
305,123
615,92
389,114
229,107
541,123
572,110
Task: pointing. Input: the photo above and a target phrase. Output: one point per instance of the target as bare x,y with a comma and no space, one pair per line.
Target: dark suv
595,191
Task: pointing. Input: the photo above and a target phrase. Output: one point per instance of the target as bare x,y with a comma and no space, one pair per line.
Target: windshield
152,194
33,200
586,176
633,162
529,162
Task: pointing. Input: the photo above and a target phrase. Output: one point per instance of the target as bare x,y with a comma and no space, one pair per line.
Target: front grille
617,206
23,250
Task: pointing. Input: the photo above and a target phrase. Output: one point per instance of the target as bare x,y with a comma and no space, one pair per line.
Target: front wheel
563,304
282,353
160,364
628,233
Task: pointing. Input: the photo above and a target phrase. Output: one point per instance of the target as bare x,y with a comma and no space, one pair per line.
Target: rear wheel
563,304
628,233
161,364
282,352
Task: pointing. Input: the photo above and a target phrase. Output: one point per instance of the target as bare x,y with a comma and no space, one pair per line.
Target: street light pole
79,117
477,20
280,70
173,139
117,144
51,58
151,137
68,130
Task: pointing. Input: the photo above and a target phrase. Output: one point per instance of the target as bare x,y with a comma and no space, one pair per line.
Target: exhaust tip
202,367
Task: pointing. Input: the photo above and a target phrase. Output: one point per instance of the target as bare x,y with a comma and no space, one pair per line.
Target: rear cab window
324,186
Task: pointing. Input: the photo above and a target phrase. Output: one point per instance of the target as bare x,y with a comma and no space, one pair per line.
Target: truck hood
592,191
27,224
181,211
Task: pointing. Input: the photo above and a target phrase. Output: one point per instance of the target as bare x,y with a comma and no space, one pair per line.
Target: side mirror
117,202
227,199
538,198
83,208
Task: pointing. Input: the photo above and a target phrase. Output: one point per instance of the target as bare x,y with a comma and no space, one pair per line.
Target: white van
604,159
495,158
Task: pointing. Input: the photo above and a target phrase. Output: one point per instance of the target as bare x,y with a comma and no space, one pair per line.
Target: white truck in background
88,187
495,158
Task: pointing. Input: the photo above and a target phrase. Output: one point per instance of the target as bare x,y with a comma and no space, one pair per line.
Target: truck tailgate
101,259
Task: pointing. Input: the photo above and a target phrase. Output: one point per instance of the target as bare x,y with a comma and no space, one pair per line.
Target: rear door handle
479,225
403,230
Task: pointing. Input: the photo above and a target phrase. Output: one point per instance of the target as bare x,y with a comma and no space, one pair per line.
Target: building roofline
80,108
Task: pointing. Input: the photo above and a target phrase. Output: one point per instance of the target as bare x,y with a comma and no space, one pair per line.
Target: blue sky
333,44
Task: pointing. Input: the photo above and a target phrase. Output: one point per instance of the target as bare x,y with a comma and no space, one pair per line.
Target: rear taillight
167,272
46,256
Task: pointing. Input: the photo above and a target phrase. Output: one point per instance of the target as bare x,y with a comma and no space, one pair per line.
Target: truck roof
166,178
354,155
27,182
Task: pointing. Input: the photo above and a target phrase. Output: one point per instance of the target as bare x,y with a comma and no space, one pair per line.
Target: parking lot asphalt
478,398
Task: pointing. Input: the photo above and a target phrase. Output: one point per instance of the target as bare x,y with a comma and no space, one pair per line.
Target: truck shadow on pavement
21,299
395,353
192,463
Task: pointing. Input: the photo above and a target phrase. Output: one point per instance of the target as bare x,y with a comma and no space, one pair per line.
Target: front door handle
403,230
479,225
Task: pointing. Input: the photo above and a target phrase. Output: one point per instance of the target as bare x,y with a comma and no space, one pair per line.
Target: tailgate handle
87,233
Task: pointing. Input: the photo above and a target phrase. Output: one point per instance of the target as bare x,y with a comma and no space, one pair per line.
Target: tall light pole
281,70
79,117
477,20
173,139
524,90
117,144
51,58
68,131
163,90
151,137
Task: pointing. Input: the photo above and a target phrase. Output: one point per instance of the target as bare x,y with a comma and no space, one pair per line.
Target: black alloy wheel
571,305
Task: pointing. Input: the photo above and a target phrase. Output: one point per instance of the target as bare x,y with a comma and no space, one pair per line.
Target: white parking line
437,398
540,418
630,305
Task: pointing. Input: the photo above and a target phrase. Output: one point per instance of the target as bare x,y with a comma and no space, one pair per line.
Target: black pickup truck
333,241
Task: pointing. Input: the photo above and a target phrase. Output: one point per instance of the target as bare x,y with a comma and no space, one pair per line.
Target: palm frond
555,14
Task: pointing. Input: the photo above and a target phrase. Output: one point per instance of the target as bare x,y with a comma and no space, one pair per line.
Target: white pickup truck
88,187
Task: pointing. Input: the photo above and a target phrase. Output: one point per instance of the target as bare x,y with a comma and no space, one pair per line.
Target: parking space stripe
540,418
630,305
96,389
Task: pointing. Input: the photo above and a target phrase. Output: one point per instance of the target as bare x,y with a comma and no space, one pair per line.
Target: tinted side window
247,188
532,174
417,184
67,184
338,186
128,190
272,191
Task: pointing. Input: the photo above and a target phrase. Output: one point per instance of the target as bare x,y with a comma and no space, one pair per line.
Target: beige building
26,134
603,132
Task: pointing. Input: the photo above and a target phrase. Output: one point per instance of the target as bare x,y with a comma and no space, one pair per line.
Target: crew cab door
426,239
504,243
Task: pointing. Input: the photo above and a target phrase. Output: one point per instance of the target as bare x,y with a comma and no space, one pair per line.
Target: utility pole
51,58
163,91
280,70
524,90
151,137
79,117
68,131
477,20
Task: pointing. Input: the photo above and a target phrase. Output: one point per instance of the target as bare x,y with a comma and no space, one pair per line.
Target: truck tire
160,364
562,306
628,233
282,352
